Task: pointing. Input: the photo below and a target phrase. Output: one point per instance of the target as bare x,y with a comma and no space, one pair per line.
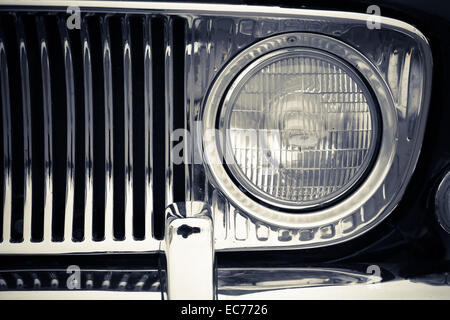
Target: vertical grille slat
148,125
70,160
27,133
168,76
88,133
47,113
180,168
128,127
7,153
86,126
109,144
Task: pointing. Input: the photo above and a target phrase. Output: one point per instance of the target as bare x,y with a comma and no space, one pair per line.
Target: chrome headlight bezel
269,214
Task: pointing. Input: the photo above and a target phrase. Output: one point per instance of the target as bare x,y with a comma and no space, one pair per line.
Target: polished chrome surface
104,281
216,33
48,135
26,102
109,125
404,105
69,244
320,217
238,281
169,110
71,139
7,155
148,125
233,284
189,248
392,290
442,203
128,125
88,132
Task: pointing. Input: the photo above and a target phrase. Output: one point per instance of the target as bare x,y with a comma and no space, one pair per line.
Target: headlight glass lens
300,126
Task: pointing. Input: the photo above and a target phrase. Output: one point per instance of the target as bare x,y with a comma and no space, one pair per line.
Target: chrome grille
77,132
213,36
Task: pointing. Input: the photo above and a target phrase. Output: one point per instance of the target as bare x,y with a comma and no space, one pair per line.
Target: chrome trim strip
79,295
70,160
128,127
168,76
109,130
86,246
215,9
48,130
148,127
7,154
88,132
204,8
26,102
189,119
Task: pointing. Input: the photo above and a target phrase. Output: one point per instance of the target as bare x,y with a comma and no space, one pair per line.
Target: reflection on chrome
243,281
302,129
189,249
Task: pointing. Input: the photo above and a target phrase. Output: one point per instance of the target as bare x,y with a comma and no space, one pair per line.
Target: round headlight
300,126
299,130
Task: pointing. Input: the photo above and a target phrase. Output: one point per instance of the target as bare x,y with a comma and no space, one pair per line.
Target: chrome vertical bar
70,158
109,142
128,127
189,250
6,115
189,120
48,148
26,103
148,125
88,120
168,62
